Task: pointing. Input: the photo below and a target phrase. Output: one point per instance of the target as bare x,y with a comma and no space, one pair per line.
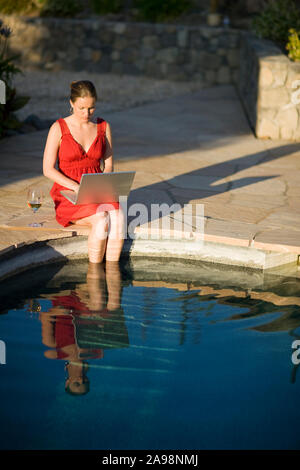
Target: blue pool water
164,365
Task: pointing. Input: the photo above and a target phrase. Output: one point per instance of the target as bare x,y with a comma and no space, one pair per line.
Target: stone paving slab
191,149
278,240
11,239
48,221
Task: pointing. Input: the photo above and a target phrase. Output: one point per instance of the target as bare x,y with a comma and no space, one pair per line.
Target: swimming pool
161,355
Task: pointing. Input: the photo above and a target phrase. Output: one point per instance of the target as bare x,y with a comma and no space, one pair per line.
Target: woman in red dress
79,145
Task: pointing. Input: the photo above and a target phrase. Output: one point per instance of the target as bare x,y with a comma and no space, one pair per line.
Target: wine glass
34,201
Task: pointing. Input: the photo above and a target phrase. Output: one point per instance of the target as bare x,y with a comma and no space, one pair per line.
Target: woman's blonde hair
81,89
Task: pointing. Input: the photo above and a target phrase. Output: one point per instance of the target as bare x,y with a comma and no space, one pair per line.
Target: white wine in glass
34,201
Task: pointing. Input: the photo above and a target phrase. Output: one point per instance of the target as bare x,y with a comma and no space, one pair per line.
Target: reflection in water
34,306
88,318
83,322
256,305
208,365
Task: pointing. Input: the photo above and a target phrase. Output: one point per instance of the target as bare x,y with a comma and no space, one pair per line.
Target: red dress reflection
81,323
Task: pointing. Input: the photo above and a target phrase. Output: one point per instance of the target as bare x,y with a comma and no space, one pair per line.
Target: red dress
73,161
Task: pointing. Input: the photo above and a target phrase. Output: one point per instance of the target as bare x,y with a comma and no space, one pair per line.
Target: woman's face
83,108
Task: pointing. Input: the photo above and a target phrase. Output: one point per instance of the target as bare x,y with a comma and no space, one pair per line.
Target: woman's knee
100,225
117,217
117,221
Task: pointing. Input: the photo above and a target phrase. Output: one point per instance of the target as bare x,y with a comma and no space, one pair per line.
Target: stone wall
265,78
269,89
176,52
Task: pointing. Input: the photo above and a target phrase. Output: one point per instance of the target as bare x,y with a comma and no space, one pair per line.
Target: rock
208,61
167,55
151,41
288,118
286,133
210,77
96,56
196,40
182,38
293,79
86,53
119,28
273,98
120,43
268,113
267,129
265,77
233,57
280,77
115,55
223,74
147,52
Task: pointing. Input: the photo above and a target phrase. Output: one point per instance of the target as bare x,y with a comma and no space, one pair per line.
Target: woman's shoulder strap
63,126
101,125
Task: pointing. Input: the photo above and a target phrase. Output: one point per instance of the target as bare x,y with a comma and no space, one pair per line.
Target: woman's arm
108,156
50,158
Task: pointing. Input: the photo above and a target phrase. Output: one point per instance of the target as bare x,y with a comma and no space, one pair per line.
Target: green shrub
293,45
61,8
17,6
157,10
13,101
276,19
101,7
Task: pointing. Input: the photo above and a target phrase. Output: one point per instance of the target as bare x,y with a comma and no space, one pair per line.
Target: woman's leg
98,235
96,286
115,239
98,238
114,284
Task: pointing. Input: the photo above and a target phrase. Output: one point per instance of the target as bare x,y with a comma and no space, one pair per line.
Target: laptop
101,188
